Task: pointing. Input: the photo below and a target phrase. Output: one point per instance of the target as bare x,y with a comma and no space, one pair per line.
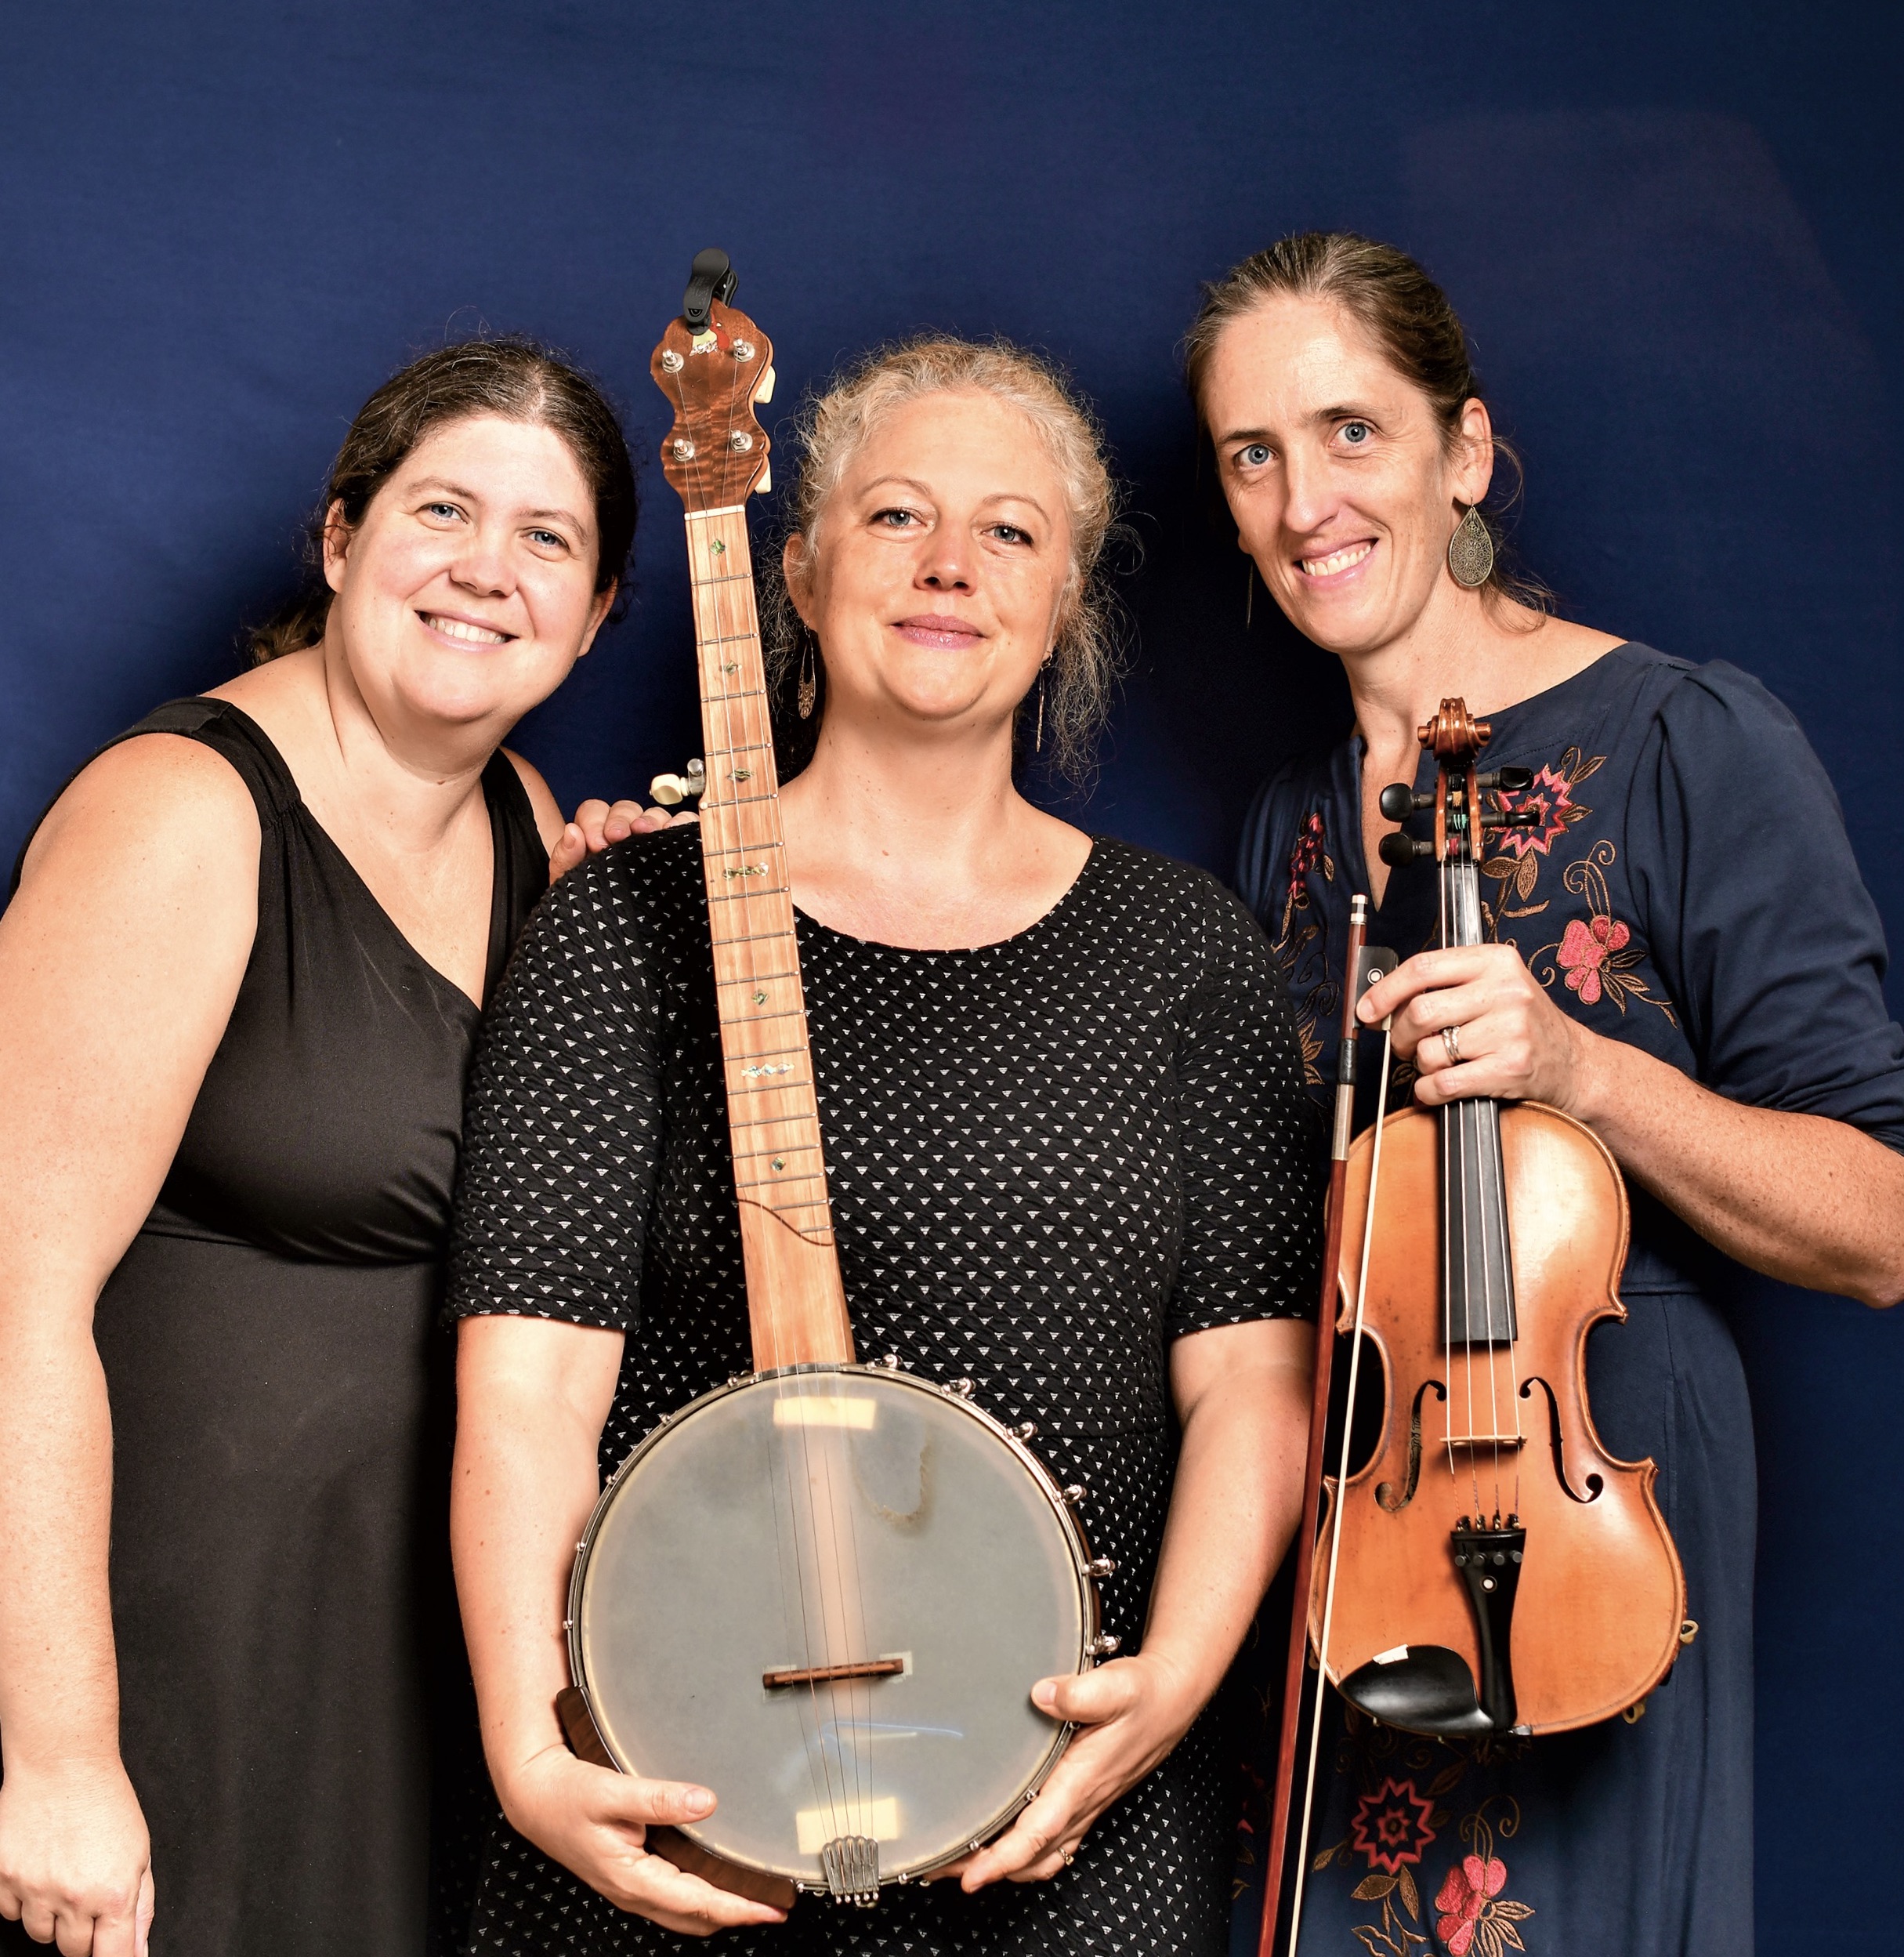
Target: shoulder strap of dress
521,860
219,726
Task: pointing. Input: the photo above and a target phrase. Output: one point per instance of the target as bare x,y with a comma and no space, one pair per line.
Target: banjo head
791,1524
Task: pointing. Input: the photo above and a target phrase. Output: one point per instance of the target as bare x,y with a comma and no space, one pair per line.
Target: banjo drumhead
810,1520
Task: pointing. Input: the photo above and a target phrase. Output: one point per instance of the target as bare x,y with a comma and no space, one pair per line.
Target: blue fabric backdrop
1675,234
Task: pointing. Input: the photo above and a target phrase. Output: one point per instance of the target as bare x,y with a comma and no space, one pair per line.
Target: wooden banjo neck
714,364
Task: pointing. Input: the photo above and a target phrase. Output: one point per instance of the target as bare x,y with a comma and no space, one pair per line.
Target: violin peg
1398,801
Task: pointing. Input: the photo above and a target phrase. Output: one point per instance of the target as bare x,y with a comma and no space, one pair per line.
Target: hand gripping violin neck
1489,1568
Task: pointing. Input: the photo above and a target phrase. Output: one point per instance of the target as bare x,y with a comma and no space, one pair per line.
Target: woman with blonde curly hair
1071,1159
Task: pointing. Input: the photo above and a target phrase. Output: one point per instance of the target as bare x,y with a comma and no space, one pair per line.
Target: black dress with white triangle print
1049,1158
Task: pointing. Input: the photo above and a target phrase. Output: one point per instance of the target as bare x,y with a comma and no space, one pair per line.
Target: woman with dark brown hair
1681,953
239,979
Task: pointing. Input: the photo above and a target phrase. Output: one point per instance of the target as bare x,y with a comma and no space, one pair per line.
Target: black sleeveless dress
281,1421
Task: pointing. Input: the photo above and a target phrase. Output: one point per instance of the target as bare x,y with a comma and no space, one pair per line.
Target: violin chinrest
1420,1688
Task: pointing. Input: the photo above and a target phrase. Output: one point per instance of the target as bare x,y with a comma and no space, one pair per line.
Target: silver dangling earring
1037,742
1470,551
809,685
1249,594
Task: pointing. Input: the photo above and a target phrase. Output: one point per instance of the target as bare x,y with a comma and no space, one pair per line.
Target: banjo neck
713,369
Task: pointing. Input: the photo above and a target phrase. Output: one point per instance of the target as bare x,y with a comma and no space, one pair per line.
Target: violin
1490,1569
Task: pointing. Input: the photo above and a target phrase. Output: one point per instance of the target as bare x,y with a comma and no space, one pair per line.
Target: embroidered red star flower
1391,1826
1549,795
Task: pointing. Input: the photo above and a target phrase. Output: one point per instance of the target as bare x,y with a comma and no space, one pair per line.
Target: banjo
825,1588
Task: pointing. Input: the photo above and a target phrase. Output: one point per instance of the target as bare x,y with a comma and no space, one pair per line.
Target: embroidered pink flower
1549,796
1391,1826
1466,1898
1588,944
1308,851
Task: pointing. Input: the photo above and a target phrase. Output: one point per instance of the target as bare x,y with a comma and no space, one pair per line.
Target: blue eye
895,519
1011,533
549,536
1355,433
443,509
1254,455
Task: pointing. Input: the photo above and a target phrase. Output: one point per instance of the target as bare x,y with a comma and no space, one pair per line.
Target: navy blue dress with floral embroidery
1688,888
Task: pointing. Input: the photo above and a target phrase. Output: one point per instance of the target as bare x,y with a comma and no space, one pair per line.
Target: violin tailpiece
1428,1688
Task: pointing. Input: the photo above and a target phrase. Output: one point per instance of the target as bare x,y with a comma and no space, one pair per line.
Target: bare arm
1241,1395
120,958
1808,1200
532,1396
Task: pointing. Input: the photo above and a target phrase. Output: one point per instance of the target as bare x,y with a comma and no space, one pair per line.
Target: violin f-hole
1385,1492
1595,1484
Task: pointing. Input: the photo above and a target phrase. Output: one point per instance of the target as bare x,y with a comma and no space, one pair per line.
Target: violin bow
1363,966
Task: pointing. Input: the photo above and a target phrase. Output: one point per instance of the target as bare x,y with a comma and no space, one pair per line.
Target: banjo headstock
714,364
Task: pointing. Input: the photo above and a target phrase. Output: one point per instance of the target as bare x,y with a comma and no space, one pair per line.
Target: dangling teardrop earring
1037,742
809,685
1249,593
1470,551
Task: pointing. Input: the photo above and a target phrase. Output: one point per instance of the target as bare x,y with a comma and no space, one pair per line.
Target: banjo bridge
832,1674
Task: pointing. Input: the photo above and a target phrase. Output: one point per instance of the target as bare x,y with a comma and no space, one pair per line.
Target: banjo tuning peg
670,790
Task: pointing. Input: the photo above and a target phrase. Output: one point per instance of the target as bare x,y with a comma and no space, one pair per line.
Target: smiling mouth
953,635
464,633
1346,559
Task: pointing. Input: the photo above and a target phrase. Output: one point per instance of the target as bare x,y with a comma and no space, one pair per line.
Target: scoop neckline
1085,870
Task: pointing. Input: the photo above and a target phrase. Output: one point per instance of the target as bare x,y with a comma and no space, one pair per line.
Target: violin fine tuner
672,790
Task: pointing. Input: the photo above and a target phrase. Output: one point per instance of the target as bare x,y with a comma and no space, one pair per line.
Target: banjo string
820,1772
852,1694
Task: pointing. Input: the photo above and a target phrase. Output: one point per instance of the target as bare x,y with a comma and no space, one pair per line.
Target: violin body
1599,1599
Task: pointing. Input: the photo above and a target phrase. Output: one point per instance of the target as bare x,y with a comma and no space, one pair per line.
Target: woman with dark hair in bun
239,978
1680,953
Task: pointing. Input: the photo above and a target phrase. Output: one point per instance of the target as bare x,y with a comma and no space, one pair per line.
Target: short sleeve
1769,943
1252,1140
561,1128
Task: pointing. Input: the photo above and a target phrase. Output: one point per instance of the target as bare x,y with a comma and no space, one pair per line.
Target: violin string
1456,1156
1485,1135
1341,1493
